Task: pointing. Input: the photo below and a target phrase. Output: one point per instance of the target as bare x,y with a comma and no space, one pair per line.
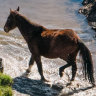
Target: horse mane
23,18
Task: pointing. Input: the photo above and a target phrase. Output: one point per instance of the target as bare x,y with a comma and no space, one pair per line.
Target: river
62,14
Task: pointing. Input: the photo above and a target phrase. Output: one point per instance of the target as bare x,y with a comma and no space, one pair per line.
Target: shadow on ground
35,87
75,91
39,88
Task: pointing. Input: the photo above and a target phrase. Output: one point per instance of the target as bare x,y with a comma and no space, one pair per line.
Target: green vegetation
5,85
5,91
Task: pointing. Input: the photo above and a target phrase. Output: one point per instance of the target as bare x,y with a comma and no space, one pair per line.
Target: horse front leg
31,62
40,69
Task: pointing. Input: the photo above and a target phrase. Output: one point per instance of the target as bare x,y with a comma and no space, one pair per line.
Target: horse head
11,20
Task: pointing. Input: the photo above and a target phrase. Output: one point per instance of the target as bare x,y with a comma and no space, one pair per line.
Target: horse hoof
45,80
61,74
68,84
72,79
93,85
25,74
27,71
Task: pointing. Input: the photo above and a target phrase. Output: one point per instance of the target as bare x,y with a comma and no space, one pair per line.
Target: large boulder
92,16
85,2
86,9
89,10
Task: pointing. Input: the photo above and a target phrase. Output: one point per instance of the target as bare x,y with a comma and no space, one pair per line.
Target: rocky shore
89,10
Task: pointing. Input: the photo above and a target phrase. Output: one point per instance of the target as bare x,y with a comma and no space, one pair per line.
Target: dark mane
27,21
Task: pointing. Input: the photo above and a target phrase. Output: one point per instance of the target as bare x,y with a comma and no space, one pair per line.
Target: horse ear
10,10
18,8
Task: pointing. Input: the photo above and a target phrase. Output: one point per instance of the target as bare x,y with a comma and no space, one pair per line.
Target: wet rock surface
89,10
85,2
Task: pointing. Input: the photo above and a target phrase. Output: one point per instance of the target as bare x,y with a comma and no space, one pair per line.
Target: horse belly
61,46
62,52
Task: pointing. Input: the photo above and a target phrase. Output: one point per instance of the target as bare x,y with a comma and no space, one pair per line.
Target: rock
89,10
85,2
1,66
86,9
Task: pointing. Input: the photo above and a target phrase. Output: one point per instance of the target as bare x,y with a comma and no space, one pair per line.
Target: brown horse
51,43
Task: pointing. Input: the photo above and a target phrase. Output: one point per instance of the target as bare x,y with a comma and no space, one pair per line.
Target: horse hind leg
74,69
61,69
71,62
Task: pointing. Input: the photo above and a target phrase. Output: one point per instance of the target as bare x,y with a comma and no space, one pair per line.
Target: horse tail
87,62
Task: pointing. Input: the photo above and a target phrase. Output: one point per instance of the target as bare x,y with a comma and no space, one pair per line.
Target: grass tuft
5,91
5,80
5,85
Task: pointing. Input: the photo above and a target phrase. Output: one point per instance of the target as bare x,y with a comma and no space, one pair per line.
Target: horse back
65,34
56,42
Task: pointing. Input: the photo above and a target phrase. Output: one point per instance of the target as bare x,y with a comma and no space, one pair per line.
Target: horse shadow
35,87
38,88
76,91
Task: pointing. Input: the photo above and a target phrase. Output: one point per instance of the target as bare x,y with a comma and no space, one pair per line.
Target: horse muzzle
6,29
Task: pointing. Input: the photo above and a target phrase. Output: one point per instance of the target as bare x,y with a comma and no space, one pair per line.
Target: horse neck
28,29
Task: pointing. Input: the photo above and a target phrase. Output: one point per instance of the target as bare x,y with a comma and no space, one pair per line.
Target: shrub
5,85
5,91
5,80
